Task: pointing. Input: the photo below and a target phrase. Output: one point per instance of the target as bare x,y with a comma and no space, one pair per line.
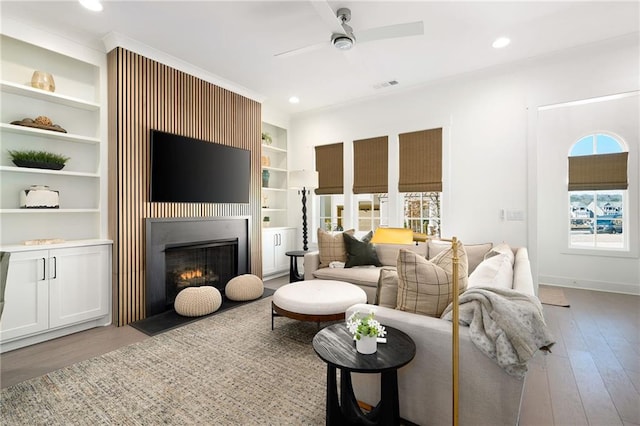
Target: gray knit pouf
197,301
244,287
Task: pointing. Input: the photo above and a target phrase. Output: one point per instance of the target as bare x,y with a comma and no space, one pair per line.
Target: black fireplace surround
167,234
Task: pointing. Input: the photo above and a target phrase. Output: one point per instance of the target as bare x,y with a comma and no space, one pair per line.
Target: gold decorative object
266,161
43,80
43,121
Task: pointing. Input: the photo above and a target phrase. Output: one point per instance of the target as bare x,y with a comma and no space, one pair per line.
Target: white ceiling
237,40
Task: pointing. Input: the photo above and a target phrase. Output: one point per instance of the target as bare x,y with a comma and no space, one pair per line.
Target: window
331,210
373,211
422,212
597,193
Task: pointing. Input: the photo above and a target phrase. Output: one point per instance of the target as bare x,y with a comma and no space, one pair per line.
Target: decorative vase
367,345
43,80
265,178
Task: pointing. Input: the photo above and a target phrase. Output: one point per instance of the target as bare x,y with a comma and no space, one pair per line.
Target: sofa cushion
366,276
444,259
423,287
331,247
360,252
388,253
496,271
475,252
387,291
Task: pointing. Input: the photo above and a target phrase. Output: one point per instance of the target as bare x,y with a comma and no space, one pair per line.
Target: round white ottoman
197,301
316,300
244,287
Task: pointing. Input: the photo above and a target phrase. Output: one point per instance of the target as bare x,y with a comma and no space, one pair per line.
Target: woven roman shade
598,172
421,161
330,168
371,166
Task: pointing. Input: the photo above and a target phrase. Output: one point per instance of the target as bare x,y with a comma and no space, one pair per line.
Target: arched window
597,193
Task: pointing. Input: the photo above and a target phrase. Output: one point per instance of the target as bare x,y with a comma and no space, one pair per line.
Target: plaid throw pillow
426,287
331,247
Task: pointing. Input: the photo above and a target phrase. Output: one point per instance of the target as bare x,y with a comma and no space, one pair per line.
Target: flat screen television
190,170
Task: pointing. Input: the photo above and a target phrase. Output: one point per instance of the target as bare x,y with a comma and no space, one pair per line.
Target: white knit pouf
244,287
197,301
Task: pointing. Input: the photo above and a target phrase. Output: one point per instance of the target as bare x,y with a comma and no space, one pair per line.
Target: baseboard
610,287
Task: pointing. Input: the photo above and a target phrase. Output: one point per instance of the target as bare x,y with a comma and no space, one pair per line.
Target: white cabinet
275,243
54,292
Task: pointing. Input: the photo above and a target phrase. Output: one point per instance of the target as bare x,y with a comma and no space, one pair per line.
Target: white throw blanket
506,325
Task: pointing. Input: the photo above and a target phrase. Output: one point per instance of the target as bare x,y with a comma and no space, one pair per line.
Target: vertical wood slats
145,95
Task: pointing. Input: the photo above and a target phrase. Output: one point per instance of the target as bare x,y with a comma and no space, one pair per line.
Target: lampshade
392,236
299,179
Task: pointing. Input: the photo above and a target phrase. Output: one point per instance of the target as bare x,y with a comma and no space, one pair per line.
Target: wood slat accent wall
144,95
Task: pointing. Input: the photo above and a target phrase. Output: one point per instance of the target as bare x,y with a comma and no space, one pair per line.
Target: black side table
335,346
294,275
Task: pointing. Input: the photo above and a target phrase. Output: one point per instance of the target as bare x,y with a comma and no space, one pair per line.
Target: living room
495,158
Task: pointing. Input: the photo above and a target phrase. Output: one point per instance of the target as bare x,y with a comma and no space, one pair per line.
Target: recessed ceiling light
501,42
92,5
294,100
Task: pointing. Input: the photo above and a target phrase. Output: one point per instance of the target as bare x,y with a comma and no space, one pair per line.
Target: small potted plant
38,159
265,221
266,138
366,330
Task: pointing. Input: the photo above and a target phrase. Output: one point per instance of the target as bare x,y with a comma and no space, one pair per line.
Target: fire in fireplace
211,263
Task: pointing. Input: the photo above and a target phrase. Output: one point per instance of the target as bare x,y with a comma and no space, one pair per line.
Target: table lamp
303,181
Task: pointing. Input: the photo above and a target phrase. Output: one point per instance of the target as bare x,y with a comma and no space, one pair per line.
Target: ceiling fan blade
300,50
328,15
391,31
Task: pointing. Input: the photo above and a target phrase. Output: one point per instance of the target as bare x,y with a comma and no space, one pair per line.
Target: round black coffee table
335,346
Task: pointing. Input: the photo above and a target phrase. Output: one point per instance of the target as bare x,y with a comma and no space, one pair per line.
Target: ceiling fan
342,35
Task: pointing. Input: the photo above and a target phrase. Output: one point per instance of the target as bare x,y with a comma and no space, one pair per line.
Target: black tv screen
190,170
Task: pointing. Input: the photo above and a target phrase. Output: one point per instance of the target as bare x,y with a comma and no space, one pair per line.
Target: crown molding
114,39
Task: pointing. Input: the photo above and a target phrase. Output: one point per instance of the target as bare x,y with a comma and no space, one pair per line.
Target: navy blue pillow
360,252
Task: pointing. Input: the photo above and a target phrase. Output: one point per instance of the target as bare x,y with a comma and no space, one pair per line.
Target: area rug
226,369
552,296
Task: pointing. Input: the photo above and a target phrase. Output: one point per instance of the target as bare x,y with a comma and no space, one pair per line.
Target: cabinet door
287,242
25,299
269,243
79,284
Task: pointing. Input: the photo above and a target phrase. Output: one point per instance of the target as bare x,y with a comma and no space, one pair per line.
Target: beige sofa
488,395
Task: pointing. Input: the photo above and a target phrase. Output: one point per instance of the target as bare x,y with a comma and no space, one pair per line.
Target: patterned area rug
226,369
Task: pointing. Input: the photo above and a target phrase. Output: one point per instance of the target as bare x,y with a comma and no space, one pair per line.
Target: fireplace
192,252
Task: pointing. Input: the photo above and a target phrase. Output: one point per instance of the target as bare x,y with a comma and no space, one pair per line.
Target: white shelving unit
277,236
77,105
54,289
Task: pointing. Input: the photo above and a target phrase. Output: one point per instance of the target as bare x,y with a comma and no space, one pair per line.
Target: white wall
490,144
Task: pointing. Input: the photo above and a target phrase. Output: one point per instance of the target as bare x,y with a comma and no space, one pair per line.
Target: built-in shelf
47,171
273,148
23,90
49,134
266,209
274,189
48,211
274,169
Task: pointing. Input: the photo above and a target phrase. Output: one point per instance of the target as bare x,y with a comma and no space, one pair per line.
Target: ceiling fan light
342,42
501,42
92,5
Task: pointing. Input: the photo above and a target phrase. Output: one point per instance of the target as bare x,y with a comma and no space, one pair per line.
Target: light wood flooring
592,377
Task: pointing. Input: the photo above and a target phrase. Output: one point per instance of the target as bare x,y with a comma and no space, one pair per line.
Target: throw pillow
360,252
502,248
496,271
444,259
331,247
423,287
426,286
387,291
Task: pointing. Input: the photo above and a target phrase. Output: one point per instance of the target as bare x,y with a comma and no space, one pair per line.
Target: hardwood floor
592,377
